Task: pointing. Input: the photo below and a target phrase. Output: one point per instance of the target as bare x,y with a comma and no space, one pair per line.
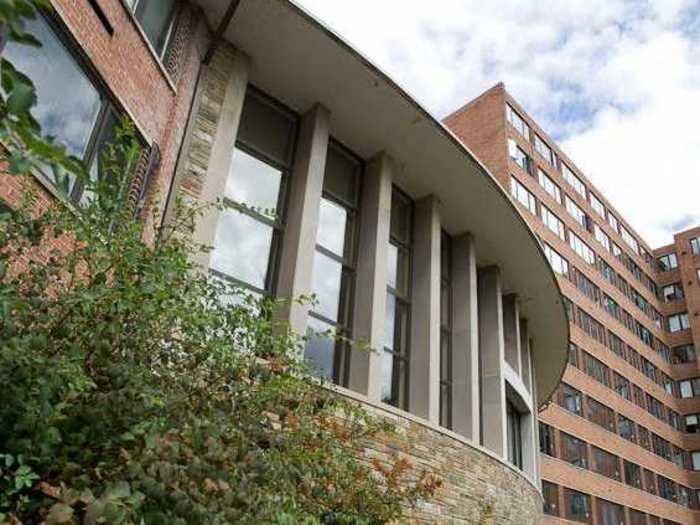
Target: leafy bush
138,389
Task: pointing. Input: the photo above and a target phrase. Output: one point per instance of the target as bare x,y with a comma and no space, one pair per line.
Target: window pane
253,183
331,227
389,321
327,278
387,374
342,175
320,348
67,102
155,17
400,218
242,248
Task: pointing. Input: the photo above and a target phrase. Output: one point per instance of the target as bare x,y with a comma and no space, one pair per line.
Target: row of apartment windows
577,506
543,149
596,369
559,444
594,411
556,225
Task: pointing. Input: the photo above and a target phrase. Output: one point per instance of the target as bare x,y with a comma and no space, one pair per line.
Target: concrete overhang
300,61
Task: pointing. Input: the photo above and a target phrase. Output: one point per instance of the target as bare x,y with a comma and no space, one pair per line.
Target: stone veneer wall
477,488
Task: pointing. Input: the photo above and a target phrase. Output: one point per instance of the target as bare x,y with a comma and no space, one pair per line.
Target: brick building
619,440
258,103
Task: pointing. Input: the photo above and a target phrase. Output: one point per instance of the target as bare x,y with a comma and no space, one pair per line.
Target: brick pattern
482,126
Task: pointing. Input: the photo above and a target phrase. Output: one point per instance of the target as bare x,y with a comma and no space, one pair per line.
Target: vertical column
491,351
511,331
465,339
296,261
424,368
370,297
233,66
525,370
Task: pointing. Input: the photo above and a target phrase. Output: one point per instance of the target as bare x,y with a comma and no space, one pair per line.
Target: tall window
156,19
606,463
629,239
523,196
601,236
637,517
550,494
552,222
596,369
633,474
517,122
597,206
513,435
398,302
625,428
445,330
69,105
600,414
612,221
574,210
577,506
695,245
543,149
248,234
549,185
334,263
521,158
667,488
581,248
556,261
573,450
570,399
610,513
546,434
573,180
622,387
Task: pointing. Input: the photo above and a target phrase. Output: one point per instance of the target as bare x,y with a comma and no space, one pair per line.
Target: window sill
147,43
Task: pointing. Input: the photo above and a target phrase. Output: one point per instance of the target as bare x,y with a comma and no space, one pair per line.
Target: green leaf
59,513
21,98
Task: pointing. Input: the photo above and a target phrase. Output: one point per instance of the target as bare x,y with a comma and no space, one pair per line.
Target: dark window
254,196
683,496
573,355
600,414
637,517
605,463
591,327
398,301
513,435
660,446
622,387
610,513
596,369
672,292
573,450
643,436
678,456
655,408
654,520
667,488
546,434
69,105
577,506
683,354
616,345
550,493
333,280
625,427
692,423
570,399
586,286
445,330
633,475
639,398
650,482
156,18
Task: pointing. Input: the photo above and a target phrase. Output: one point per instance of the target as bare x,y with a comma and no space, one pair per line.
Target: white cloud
618,82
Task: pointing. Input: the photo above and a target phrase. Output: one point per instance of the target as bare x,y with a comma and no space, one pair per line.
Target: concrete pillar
424,356
465,339
491,351
511,331
525,365
237,65
370,297
306,186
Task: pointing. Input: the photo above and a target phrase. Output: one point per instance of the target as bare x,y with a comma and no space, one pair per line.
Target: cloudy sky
616,82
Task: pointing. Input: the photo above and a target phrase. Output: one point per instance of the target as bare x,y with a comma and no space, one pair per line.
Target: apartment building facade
619,439
258,103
